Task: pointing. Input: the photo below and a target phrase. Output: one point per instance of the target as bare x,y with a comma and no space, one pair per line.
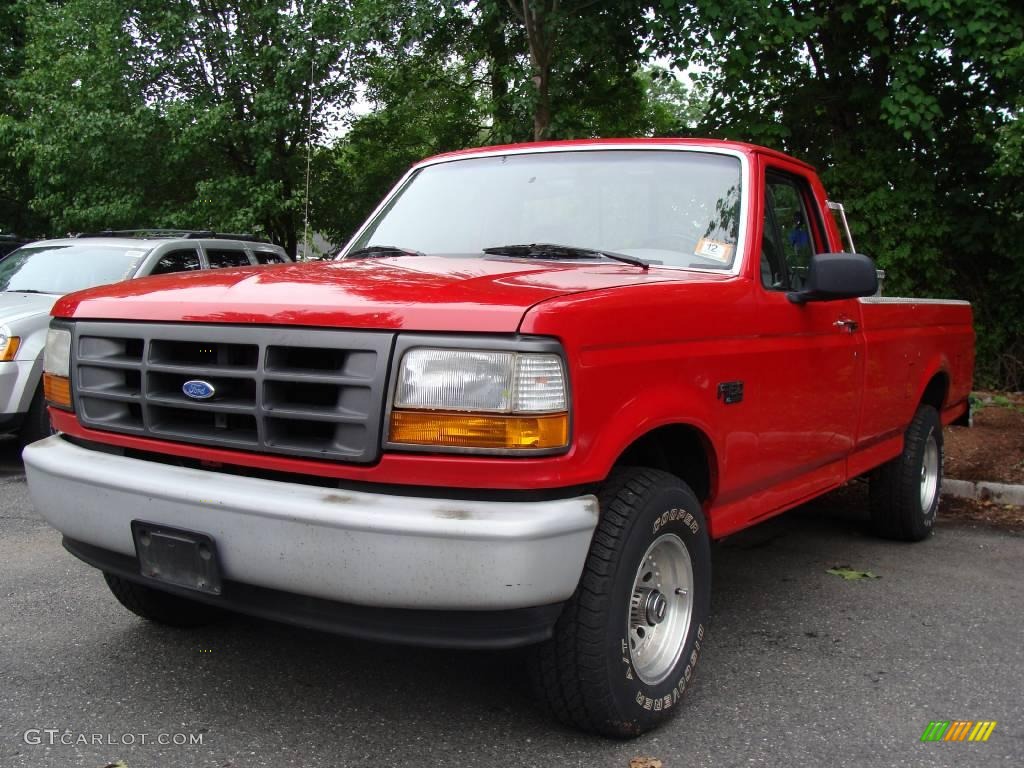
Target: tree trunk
542,112
536,18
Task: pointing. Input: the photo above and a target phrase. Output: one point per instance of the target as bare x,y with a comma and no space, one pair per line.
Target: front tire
905,491
625,648
160,607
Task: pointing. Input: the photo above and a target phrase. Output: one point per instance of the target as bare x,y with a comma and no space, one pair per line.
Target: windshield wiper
24,290
554,251
381,252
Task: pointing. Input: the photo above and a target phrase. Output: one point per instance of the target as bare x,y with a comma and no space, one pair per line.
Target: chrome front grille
300,392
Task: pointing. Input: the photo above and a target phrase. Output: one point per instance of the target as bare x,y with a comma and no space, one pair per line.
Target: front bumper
352,547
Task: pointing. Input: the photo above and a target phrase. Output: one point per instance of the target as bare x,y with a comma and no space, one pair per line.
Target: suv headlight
57,367
480,400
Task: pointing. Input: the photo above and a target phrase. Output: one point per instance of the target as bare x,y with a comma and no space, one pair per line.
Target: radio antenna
309,155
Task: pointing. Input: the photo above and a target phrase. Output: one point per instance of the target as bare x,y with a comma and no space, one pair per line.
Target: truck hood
16,307
422,293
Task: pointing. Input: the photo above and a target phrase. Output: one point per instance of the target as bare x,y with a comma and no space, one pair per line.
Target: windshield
677,208
65,268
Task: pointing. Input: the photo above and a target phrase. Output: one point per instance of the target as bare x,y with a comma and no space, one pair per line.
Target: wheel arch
935,390
682,449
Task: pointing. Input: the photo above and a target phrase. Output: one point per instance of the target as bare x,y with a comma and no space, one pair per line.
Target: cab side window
185,260
223,257
788,241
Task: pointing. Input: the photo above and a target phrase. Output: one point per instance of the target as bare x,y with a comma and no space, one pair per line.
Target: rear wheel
161,607
905,491
627,643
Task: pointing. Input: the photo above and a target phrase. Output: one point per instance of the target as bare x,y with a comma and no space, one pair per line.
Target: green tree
249,88
583,57
15,185
89,141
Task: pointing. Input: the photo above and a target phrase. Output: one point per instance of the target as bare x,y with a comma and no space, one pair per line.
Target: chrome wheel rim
660,608
929,473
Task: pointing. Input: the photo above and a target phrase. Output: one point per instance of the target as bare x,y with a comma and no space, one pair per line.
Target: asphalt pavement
801,667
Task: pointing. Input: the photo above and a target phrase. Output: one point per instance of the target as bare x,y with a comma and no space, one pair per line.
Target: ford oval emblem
198,390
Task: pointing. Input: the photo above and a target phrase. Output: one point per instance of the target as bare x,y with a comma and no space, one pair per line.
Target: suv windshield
65,268
677,208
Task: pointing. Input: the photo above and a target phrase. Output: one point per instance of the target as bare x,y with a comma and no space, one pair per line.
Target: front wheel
625,648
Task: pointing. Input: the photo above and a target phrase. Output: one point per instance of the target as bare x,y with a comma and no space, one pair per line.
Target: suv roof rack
188,234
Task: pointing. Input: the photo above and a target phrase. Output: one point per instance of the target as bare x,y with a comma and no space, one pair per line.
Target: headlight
57,355
491,401
57,367
8,345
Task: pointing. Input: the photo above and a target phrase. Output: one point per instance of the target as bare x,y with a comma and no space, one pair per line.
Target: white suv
34,276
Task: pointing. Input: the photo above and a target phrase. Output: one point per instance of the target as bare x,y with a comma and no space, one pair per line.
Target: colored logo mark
958,730
198,390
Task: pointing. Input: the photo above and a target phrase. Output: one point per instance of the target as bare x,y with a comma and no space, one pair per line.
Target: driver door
811,360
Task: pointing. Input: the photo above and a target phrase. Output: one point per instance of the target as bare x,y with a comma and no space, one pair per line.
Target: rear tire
905,492
160,607
625,647
37,421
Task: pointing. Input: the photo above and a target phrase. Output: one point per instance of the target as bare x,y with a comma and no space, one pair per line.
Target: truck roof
651,143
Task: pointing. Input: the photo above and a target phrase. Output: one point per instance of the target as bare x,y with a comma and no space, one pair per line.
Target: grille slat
196,371
312,378
112,394
110,362
314,415
312,393
193,405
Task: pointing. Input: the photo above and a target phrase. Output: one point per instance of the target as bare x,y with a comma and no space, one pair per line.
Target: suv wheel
625,648
37,420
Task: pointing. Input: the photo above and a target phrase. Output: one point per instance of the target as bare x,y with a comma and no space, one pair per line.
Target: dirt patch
993,449
968,511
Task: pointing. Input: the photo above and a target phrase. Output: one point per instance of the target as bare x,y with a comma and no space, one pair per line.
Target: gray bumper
353,547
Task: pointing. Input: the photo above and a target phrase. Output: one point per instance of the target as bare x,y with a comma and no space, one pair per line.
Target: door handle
847,323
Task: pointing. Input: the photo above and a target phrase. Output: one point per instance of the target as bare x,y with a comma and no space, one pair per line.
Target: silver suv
34,276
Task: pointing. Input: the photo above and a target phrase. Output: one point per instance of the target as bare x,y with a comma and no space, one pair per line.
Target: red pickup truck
515,411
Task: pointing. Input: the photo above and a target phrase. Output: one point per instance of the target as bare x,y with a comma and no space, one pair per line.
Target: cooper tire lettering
606,693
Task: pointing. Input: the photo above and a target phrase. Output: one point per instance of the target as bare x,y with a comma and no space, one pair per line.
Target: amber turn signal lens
8,347
57,390
464,430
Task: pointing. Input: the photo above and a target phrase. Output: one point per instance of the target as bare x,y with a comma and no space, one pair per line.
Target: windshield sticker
717,250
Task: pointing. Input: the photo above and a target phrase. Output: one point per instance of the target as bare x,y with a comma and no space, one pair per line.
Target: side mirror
835,276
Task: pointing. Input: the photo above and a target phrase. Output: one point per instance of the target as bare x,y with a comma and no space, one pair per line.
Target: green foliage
15,185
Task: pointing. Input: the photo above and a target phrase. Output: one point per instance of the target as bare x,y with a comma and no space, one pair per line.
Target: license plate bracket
174,556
